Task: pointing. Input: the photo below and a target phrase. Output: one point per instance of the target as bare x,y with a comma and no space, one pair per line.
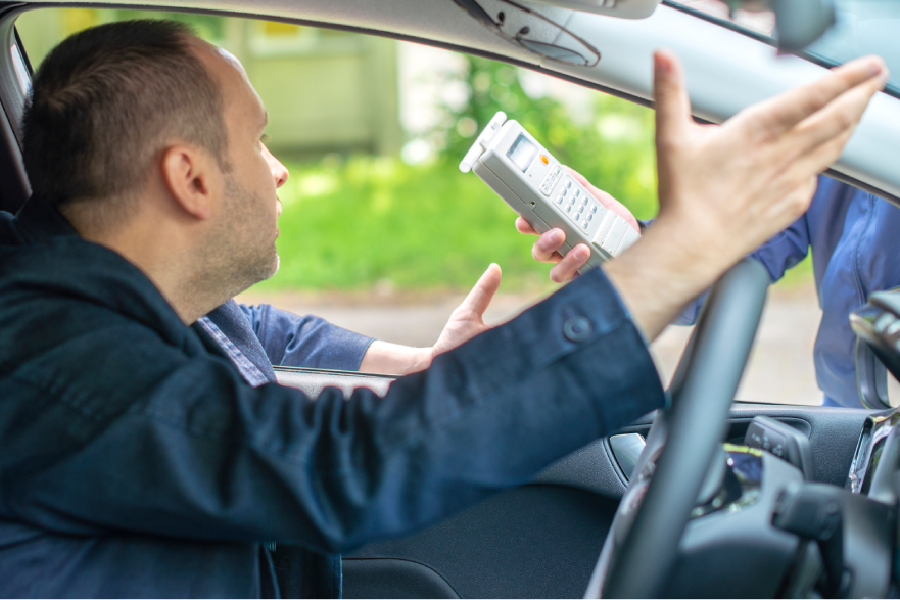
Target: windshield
862,27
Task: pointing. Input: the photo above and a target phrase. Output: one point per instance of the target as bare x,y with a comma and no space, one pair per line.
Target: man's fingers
838,118
566,269
673,107
784,111
480,297
546,248
823,156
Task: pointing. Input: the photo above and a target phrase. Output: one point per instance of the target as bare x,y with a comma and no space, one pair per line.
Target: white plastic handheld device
543,192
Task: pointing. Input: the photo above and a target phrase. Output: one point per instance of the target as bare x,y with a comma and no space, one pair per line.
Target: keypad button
580,209
564,191
584,224
559,199
568,208
589,216
594,209
571,200
569,183
584,200
577,193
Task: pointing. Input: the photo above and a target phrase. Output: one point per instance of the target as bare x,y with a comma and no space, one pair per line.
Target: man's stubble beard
241,250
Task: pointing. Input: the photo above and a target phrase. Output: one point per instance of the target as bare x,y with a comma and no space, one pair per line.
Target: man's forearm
392,359
661,274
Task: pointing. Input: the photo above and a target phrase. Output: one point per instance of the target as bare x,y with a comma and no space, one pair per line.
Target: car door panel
543,539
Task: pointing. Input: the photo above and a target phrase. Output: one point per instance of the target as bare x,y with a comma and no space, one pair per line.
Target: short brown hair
104,102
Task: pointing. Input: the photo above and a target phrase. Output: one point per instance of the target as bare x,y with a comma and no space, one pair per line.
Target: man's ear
192,179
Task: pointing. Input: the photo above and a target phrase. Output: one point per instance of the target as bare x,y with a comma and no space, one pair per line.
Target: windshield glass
862,27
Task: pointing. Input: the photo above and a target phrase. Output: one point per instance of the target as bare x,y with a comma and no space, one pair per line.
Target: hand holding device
546,247
543,192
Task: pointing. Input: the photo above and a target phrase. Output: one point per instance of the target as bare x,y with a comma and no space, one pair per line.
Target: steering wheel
642,545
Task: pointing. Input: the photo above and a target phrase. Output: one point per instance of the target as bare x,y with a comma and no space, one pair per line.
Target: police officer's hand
546,247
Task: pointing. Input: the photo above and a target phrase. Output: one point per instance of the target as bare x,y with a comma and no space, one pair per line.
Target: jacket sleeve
305,341
185,448
781,252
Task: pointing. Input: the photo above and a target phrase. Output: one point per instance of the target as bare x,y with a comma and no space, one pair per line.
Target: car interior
709,497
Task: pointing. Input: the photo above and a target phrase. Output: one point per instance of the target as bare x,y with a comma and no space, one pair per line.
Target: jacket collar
101,276
39,220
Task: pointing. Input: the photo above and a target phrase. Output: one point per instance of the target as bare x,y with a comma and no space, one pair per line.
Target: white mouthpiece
482,141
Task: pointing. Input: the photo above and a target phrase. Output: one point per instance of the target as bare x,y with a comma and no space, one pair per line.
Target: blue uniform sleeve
183,447
783,251
305,341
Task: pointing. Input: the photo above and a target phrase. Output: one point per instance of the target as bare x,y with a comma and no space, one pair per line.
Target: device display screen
522,152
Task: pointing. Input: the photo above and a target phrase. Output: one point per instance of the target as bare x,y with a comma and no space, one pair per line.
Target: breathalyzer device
513,164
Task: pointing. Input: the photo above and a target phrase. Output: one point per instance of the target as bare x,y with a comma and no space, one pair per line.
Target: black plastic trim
384,577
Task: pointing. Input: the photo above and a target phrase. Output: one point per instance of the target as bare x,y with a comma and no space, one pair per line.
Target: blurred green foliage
611,145
348,224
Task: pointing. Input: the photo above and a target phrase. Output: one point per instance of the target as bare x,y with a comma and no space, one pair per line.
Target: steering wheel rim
642,545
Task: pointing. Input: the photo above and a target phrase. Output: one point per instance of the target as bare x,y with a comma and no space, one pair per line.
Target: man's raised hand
739,183
724,190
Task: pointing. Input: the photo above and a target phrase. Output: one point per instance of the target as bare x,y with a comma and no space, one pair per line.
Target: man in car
851,234
141,457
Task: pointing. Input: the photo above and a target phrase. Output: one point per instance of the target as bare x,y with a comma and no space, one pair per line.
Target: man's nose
279,171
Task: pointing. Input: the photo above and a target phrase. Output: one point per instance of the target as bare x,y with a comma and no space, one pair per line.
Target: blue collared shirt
855,241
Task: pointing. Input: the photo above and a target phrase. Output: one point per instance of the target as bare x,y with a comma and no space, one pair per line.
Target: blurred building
325,90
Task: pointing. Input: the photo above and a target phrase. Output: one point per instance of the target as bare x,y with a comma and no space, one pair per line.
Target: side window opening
21,67
376,128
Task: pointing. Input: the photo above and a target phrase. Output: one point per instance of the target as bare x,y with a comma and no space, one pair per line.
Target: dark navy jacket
136,461
854,237
259,335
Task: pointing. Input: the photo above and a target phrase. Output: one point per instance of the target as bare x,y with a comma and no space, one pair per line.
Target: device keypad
550,180
584,204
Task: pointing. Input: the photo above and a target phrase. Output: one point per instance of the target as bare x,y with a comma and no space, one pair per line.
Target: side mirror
877,328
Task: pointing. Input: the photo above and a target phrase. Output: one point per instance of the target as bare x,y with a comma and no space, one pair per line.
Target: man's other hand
467,320
546,247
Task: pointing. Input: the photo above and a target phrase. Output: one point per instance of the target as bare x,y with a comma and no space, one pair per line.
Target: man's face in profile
248,224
